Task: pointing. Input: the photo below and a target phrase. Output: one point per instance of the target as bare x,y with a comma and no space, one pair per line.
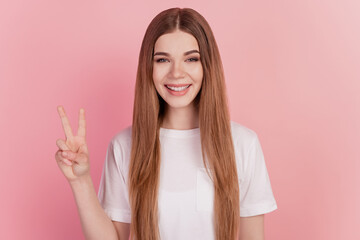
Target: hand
73,155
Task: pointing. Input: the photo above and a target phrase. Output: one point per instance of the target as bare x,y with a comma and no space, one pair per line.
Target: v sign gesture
73,155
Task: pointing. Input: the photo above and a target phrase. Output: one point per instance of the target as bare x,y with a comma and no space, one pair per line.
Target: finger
69,155
82,158
65,122
61,159
67,162
62,144
82,123
84,149
75,157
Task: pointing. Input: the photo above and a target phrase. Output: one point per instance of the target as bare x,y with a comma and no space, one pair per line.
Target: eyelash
195,59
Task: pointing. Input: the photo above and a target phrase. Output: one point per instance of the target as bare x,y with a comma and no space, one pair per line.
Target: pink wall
292,71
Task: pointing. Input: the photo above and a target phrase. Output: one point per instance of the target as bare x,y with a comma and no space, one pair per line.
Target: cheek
156,77
158,74
197,73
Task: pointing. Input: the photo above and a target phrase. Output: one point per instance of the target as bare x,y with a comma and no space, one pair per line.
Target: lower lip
175,93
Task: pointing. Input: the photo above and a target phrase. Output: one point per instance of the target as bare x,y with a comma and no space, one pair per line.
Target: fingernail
64,154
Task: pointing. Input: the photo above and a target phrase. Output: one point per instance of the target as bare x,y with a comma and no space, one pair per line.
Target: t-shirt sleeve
113,190
256,196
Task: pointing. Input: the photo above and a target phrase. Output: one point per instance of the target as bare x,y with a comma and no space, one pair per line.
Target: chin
178,104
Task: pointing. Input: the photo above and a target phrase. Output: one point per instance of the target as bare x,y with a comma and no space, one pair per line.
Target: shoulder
244,140
242,135
122,138
119,149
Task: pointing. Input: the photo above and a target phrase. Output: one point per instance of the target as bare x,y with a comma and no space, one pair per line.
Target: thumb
84,149
83,155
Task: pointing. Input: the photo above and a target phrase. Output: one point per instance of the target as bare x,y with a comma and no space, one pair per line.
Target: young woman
183,170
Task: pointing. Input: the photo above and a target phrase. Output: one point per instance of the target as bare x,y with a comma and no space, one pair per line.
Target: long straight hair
215,130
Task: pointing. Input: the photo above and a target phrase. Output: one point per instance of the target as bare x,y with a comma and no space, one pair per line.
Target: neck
181,118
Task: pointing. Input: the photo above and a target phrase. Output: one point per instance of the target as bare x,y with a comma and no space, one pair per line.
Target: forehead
177,41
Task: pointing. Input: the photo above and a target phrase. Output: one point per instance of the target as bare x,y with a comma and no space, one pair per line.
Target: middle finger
82,123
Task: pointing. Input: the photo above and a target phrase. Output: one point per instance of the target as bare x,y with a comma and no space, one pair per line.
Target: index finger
82,124
65,122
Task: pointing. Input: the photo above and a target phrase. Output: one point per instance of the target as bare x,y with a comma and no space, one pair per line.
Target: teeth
178,89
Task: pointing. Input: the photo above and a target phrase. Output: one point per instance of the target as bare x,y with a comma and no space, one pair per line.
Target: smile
177,88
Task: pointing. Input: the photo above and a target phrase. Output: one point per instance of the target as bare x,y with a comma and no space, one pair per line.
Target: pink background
292,74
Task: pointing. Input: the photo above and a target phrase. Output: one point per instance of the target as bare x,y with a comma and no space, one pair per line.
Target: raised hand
73,155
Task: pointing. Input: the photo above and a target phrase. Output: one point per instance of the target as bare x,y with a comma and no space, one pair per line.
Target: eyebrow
167,54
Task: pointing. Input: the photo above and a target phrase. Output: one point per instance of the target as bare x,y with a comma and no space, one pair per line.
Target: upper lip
177,85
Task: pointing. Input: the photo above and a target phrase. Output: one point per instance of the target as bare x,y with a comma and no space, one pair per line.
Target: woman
183,170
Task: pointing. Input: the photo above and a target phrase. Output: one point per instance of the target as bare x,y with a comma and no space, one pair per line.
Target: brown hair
215,130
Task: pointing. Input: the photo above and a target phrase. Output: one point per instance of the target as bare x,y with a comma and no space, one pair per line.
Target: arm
252,228
95,223
73,160
123,230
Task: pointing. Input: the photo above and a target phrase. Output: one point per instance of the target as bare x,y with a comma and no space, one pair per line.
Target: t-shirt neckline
179,133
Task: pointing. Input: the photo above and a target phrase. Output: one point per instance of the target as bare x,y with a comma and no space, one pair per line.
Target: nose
177,70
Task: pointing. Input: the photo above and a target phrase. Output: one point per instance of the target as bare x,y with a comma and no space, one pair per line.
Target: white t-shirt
186,193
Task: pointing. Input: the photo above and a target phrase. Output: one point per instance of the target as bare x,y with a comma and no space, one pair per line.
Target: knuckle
69,155
58,155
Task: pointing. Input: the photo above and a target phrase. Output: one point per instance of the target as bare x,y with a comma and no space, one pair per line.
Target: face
177,69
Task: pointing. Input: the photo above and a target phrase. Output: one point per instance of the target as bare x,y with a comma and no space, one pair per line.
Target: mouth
177,87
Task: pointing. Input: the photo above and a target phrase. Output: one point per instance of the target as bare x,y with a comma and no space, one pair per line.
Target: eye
193,59
161,60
